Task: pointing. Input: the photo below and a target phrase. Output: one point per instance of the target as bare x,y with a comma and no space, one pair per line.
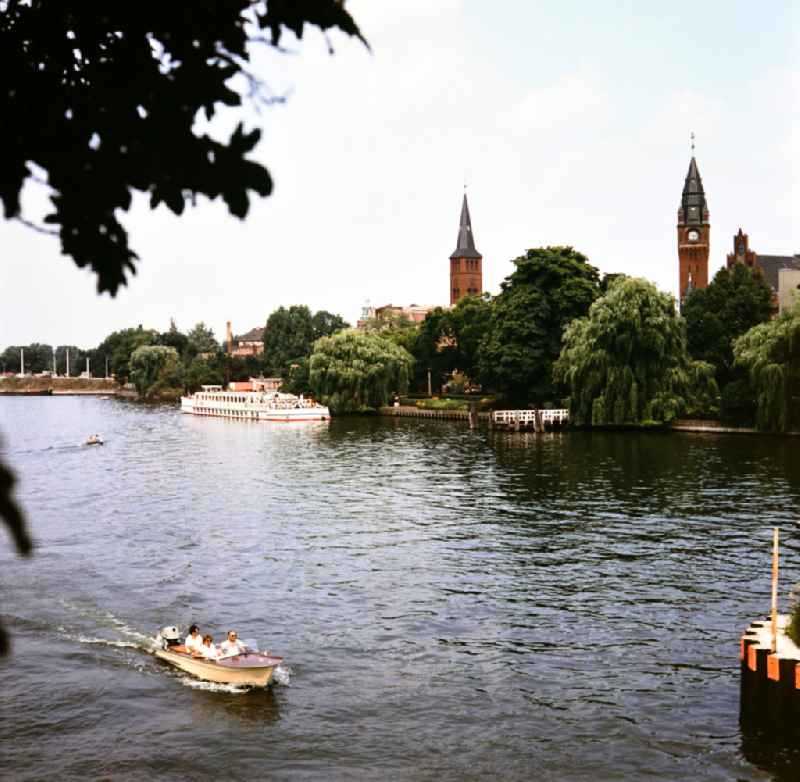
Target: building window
456,293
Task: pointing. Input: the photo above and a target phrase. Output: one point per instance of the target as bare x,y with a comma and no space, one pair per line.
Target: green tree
352,370
155,367
202,373
288,335
770,353
433,349
324,323
627,362
734,301
202,339
174,338
550,287
38,358
77,360
469,321
297,379
118,348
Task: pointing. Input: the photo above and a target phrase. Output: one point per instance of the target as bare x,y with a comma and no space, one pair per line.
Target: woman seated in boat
193,640
206,649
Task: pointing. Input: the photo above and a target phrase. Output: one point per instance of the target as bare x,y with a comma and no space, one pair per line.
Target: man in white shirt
193,640
231,645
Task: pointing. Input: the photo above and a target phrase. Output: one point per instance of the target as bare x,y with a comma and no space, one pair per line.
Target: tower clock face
693,236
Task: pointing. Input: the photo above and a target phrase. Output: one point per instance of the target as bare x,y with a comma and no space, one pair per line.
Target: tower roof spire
465,245
694,208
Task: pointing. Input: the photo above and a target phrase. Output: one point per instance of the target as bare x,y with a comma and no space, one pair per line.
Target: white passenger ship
256,403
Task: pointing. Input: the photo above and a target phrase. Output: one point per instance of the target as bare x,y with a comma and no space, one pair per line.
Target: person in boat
193,640
232,645
206,649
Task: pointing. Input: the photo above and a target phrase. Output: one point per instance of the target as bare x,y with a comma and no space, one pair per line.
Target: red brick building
250,344
466,269
693,233
769,265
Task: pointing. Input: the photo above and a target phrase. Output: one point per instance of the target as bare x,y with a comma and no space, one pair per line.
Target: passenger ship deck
253,405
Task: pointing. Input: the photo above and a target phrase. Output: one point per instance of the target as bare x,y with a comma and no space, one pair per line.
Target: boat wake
107,642
198,684
282,675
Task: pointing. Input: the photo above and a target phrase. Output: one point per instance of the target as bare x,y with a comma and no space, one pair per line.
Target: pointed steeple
693,209
465,246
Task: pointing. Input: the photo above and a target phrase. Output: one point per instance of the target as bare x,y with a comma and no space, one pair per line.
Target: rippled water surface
451,605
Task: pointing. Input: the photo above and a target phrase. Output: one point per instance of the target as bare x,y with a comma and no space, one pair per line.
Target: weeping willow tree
626,362
354,370
770,352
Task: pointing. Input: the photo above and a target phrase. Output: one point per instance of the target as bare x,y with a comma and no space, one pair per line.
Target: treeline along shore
613,351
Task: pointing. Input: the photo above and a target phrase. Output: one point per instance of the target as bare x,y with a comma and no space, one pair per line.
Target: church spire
693,209
465,245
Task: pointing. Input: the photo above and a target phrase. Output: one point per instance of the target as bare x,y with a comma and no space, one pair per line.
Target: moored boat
250,669
253,404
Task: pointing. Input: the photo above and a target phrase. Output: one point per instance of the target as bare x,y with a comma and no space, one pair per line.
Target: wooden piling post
774,617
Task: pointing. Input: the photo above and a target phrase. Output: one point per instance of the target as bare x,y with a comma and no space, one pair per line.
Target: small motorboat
94,439
249,669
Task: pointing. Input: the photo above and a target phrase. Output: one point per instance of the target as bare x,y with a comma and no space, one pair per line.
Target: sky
568,121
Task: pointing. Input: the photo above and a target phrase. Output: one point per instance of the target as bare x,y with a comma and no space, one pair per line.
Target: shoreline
681,425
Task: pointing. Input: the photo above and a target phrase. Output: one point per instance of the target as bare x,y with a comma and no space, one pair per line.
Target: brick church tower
693,233
466,272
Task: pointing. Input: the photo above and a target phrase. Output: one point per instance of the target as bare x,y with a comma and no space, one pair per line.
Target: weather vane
691,136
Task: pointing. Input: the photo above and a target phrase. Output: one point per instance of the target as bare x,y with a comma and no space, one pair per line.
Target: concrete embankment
416,412
57,386
716,427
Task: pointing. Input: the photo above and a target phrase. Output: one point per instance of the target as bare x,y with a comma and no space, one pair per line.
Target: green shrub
442,404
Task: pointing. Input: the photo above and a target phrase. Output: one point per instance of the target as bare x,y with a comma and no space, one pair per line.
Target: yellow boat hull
245,670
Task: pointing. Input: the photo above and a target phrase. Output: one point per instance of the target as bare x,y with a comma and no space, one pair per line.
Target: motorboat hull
245,670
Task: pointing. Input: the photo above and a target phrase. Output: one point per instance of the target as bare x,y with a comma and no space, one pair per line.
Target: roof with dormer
465,246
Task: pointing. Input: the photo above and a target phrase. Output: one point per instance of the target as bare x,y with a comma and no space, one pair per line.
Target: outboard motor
170,636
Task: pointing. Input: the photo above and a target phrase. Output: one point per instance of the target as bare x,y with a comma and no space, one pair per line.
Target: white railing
529,416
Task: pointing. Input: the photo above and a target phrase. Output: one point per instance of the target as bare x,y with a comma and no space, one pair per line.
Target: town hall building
781,272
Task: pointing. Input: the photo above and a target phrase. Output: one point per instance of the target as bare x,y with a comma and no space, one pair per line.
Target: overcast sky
568,120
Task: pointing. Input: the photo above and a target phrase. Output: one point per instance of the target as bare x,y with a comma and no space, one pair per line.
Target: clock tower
693,233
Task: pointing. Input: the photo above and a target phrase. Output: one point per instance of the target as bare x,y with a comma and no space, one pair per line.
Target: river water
451,605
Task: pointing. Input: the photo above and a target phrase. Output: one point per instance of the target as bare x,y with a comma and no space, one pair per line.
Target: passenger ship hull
251,407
